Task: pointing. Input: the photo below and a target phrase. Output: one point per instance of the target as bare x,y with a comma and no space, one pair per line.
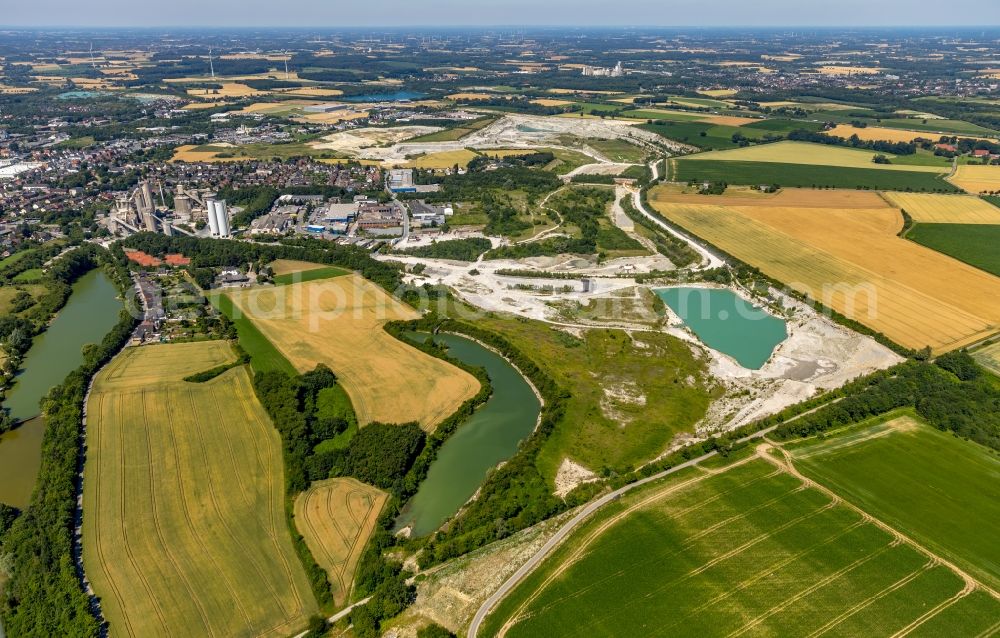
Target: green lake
489,436
726,322
89,314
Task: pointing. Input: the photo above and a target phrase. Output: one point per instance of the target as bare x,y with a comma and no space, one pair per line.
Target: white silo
222,217
213,222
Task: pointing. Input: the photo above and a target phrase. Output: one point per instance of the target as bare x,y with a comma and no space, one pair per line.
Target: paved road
711,259
571,524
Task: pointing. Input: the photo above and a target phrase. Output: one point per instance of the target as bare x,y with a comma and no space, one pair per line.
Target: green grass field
656,389
750,551
263,354
715,136
454,133
327,272
940,490
802,175
184,527
976,244
619,150
938,126
29,275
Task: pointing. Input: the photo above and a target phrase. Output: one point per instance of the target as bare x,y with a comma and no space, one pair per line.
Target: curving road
571,524
711,260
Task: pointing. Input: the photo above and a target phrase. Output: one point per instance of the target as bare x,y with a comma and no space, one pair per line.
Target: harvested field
336,517
811,154
802,197
339,322
852,261
443,160
718,92
977,179
188,153
750,551
184,531
989,358
877,133
470,96
945,209
550,102
312,91
229,89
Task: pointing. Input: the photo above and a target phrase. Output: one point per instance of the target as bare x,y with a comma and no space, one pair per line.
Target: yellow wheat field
852,261
443,160
229,89
336,518
806,153
946,209
184,530
470,96
977,179
338,322
879,134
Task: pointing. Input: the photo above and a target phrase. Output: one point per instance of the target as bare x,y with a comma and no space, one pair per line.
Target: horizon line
592,27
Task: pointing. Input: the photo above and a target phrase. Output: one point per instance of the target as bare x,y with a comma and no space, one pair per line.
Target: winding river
489,436
89,314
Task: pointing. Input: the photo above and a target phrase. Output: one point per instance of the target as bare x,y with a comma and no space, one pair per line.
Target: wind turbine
93,62
210,65
286,65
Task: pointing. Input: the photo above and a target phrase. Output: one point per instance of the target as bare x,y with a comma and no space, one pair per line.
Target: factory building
400,180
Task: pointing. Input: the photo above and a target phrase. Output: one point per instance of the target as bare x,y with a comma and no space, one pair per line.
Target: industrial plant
138,211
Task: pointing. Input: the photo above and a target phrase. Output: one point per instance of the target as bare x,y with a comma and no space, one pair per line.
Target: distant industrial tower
218,218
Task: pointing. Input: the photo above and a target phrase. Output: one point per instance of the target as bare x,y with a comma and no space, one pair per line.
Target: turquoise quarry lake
726,322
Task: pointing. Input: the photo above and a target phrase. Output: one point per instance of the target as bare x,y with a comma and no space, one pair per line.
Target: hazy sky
497,12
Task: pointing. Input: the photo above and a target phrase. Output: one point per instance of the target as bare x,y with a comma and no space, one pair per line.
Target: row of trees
952,394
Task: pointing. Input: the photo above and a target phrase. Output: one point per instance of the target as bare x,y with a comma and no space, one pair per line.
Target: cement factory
138,211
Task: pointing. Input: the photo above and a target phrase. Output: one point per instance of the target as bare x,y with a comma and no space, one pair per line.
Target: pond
395,96
20,458
726,322
489,436
89,314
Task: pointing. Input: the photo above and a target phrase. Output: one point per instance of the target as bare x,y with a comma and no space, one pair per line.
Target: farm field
893,471
878,133
917,297
806,153
336,517
945,209
751,550
939,126
989,357
184,531
339,323
263,354
443,159
977,179
618,150
803,175
976,245
312,274
289,266
455,133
